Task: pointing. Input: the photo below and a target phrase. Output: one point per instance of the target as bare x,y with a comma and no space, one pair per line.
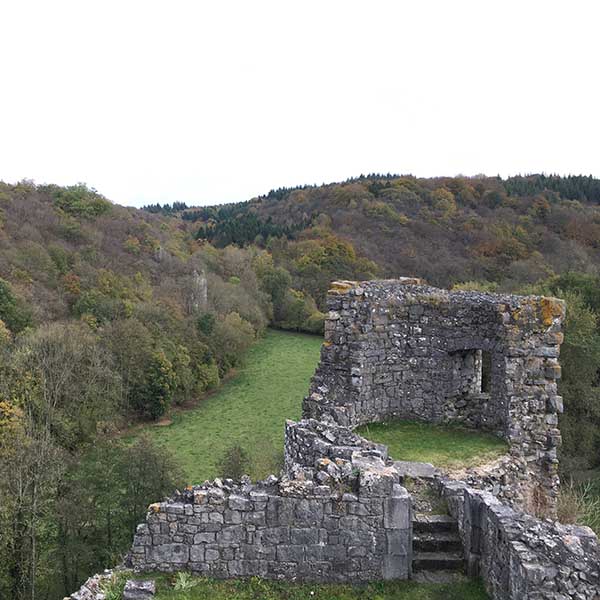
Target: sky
210,102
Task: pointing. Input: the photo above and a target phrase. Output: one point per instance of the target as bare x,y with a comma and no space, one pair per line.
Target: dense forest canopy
514,230
110,316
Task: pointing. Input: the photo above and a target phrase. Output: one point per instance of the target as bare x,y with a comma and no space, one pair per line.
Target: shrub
207,376
232,336
235,462
113,587
79,200
61,258
5,335
152,397
132,245
15,314
185,381
315,323
580,504
184,581
206,323
102,307
384,211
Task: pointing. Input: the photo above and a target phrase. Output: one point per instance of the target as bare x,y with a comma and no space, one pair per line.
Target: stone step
441,576
437,541
423,523
438,561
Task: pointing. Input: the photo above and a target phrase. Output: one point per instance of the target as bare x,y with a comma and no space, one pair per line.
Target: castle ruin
400,349
341,511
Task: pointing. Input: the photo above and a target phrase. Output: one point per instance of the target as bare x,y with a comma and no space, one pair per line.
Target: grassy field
250,409
258,589
443,446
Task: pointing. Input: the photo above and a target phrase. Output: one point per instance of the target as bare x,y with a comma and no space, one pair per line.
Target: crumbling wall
343,518
403,349
326,451
521,557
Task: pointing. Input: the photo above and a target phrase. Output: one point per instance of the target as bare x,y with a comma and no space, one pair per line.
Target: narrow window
486,372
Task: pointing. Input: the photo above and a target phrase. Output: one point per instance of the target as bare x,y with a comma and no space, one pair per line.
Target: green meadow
441,445
249,409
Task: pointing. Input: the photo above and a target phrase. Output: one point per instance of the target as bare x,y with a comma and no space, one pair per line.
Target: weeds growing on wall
579,504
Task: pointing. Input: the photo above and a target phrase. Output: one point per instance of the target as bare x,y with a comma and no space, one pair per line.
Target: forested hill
111,315
514,231
108,316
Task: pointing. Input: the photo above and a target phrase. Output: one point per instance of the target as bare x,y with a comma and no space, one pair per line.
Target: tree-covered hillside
445,230
110,316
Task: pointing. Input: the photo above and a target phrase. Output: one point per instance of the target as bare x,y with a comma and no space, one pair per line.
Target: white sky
208,102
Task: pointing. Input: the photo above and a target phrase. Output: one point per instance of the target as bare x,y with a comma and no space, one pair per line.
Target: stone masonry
336,516
399,348
521,557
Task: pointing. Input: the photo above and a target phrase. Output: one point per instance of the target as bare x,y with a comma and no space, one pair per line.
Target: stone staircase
437,549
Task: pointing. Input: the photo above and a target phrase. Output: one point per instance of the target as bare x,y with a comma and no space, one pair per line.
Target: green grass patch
443,446
250,409
201,588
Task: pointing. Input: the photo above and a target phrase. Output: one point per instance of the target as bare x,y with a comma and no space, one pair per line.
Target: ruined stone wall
519,556
327,452
342,518
403,349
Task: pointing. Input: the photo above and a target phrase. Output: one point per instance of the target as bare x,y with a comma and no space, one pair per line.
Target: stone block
399,542
139,589
304,536
397,512
205,537
290,553
239,503
274,535
255,517
169,553
211,554
232,534
415,469
395,567
232,517
197,553
307,512
175,509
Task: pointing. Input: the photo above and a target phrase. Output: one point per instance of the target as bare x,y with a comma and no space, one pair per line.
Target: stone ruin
400,349
341,511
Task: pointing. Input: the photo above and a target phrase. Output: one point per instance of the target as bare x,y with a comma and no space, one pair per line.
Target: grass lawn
443,446
258,589
250,409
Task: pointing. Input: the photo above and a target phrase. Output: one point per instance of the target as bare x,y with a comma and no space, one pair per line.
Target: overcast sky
209,102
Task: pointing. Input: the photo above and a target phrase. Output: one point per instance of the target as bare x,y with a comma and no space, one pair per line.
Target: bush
234,463
152,397
206,323
15,314
315,323
5,335
102,307
184,582
207,376
580,504
232,337
80,201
